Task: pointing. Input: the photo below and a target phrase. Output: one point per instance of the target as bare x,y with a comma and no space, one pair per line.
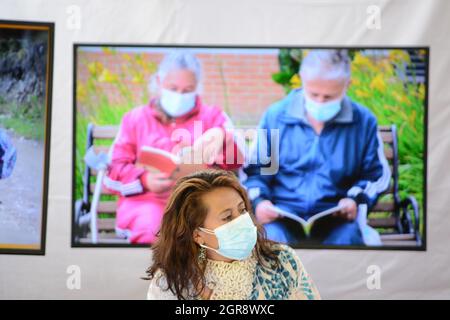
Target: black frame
400,205
50,26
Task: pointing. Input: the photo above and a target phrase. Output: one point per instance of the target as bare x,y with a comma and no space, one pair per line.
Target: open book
159,160
307,224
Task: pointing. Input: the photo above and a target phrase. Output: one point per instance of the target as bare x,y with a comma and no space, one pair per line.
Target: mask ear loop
208,232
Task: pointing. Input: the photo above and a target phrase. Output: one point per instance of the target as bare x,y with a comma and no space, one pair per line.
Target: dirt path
21,195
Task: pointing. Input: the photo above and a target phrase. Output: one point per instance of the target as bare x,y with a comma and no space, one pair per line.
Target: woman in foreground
210,247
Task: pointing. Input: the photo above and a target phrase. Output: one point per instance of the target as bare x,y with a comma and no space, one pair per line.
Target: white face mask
177,104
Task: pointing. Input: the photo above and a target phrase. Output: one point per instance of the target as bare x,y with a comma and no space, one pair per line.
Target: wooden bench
396,219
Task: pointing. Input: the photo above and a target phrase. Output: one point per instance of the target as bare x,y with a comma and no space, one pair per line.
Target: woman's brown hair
175,252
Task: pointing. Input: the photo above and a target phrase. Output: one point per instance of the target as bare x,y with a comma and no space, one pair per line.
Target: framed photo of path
26,68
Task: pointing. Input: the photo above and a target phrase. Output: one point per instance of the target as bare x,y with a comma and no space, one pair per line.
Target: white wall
339,274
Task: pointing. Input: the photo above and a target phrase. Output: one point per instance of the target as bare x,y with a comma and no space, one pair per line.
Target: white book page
313,218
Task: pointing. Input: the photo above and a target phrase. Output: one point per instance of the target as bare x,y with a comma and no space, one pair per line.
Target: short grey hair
326,64
177,60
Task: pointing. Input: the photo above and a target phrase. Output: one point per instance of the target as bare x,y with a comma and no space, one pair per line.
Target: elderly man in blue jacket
328,153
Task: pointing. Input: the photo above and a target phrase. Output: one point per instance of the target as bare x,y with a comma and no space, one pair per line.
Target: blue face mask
324,111
237,238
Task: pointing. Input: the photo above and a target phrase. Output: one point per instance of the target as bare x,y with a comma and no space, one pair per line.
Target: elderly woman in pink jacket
176,108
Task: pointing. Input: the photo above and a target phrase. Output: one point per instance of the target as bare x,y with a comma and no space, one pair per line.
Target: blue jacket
316,171
8,155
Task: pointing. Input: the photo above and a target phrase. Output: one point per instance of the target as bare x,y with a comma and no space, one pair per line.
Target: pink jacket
148,125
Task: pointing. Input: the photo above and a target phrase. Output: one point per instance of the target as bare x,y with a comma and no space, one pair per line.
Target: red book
154,159
158,160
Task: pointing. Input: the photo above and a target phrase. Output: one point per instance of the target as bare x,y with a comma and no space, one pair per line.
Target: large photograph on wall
329,142
26,58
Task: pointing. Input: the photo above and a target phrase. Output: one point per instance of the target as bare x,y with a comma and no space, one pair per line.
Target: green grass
26,119
28,129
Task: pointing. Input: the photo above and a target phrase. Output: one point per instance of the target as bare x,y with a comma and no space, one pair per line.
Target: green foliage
289,60
26,119
94,105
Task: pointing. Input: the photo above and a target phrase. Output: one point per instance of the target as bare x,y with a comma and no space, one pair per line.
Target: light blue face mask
322,111
237,238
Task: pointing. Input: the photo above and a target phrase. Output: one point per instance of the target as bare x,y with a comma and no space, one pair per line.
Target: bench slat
384,207
112,239
404,243
107,207
101,149
389,222
106,224
105,132
388,152
385,128
398,237
111,206
390,188
104,191
386,136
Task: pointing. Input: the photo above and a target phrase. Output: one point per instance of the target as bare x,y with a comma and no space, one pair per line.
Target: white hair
326,64
176,60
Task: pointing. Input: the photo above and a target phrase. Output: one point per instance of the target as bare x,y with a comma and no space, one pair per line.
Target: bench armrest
410,204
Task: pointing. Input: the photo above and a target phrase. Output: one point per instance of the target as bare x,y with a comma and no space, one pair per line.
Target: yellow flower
95,68
412,117
138,78
295,81
81,91
398,97
421,91
126,56
150,67
305,52
361,60
405,100
378,83
386,66
107,76
399,56
138,59
361,94
108,50
355,81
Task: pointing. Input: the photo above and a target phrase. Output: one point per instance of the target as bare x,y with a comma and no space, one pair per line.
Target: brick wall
239,83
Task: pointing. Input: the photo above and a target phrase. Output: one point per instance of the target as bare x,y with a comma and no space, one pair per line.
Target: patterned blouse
249,280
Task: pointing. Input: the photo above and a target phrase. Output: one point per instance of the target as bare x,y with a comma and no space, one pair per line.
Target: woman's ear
198,237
